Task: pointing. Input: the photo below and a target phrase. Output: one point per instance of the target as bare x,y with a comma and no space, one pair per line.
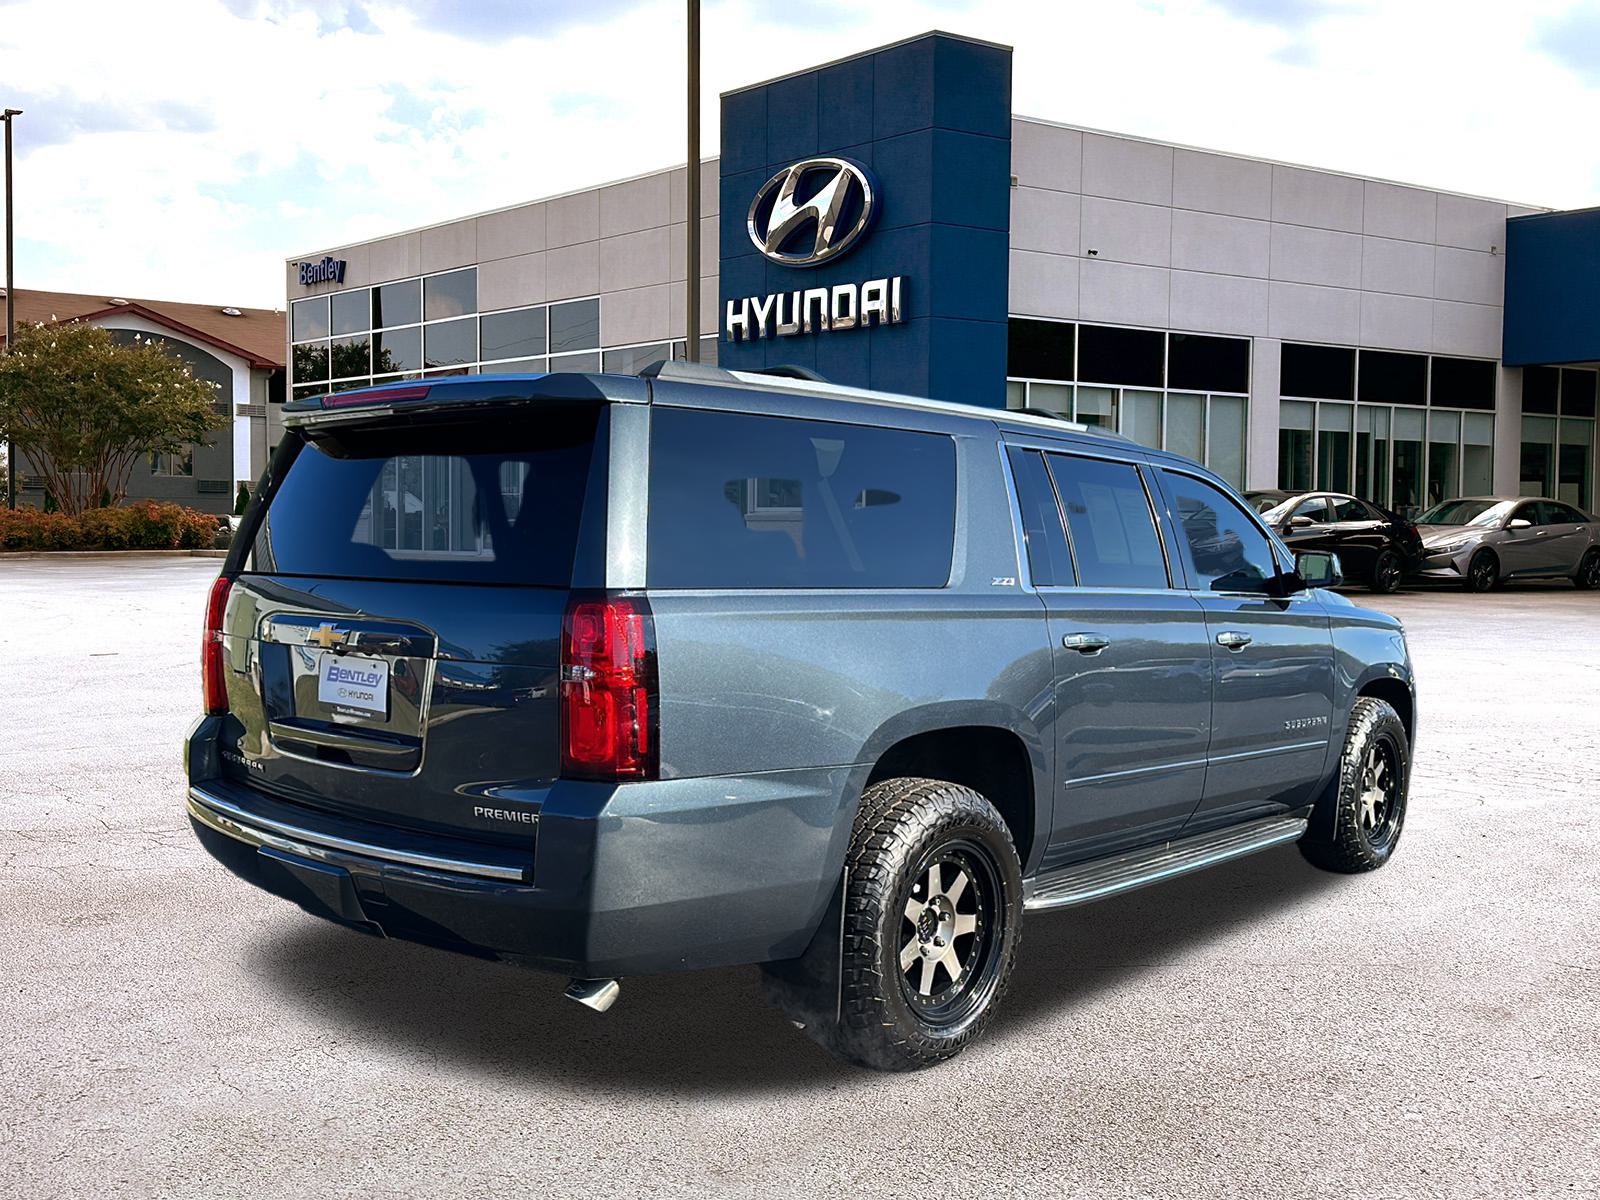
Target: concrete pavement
1261,1029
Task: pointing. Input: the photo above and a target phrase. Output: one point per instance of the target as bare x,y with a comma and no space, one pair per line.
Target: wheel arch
982,745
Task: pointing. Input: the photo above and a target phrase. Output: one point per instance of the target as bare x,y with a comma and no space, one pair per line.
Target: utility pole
11,307
691,274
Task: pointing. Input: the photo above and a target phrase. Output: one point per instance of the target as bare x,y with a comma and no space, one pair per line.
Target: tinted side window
1351,510
740,501
1551,513
1314,510
1226,551
1114,539
1049,563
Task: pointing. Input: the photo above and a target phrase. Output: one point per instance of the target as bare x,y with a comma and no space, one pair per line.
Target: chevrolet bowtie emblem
327,636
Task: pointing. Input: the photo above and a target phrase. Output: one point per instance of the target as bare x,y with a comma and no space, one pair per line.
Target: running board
1083,882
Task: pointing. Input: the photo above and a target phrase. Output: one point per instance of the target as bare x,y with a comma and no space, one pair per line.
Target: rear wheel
1588,575
933,904
1368,801
1483,571
1387,573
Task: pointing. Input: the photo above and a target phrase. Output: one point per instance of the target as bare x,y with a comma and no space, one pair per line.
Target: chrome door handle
1233,639
1086,643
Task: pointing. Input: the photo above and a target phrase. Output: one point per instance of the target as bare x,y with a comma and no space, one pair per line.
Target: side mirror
1519,523
1300,522
1318,569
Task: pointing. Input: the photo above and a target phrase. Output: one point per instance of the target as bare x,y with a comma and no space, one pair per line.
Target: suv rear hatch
399,610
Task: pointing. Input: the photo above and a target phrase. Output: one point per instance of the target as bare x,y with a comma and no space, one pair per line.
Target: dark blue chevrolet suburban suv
612,675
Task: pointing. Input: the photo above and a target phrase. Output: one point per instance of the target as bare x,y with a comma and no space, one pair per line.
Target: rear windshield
494,501
741,501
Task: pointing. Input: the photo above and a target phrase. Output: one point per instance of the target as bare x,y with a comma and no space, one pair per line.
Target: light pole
11,308
691,274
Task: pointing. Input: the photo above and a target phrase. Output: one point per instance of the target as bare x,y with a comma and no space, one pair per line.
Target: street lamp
691,274
11,307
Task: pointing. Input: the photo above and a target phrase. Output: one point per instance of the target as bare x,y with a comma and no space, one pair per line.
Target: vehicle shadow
711,1032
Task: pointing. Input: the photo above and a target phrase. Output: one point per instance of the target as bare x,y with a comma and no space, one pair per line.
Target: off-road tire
901,825
1587,577
1346,839
1483,572
1388,573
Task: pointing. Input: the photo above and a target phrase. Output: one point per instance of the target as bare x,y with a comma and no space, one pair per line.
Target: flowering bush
144,525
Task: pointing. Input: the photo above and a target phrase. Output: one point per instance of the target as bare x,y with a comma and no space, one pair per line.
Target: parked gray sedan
1482,541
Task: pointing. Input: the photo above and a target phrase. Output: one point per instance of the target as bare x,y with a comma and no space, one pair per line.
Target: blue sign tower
865,220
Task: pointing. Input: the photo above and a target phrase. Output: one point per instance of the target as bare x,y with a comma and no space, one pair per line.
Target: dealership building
887,222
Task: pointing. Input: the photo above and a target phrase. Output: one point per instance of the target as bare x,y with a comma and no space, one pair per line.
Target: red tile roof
256,334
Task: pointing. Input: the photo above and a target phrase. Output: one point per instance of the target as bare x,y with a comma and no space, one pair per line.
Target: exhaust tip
598,994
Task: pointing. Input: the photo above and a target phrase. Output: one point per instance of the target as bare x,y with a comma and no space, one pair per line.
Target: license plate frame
354,685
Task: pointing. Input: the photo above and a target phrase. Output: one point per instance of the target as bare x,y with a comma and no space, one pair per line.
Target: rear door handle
1233,639
1086,643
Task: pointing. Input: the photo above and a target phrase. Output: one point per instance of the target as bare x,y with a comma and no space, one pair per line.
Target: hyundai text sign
807,214
329,270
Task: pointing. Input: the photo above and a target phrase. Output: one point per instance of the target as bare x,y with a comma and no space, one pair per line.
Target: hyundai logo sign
812,211
329,270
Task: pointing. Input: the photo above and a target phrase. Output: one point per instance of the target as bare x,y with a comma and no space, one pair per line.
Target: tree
87,410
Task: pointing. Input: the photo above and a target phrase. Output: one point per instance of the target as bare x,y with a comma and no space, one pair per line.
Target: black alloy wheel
1588,576
1388,573
947,955
1483,572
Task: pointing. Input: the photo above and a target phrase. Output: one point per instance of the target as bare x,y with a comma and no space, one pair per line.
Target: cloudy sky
184,149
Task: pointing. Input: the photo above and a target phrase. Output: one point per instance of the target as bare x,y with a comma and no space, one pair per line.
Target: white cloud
192,145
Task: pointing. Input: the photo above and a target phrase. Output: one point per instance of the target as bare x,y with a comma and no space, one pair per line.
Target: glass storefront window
1574,459
352,312
1295,421
397,303
1538,472
351,356
1477,454
1407,470
397,350
311,363
1186,425
308,319
1333,446
1141,417
512,334
1372,454
1226,449
1051,397
450,344
1444,432
1016,394
1097,406
575,326
452,295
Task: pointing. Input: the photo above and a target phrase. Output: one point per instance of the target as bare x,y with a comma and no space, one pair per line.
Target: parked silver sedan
1482,541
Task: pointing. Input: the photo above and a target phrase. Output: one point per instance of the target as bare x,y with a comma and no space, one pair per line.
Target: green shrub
144,525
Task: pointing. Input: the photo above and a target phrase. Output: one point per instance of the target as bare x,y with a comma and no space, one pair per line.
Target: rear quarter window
744,501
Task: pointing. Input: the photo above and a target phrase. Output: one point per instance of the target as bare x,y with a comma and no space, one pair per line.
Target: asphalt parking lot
1261,1029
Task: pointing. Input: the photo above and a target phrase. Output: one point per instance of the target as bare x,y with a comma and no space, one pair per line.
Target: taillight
213,683
608,689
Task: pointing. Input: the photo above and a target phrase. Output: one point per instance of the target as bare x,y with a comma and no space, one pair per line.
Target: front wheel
1357,825
933,907
1483,571
1588,575
1387,573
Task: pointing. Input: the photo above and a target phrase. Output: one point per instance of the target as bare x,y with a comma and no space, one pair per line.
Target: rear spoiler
461,391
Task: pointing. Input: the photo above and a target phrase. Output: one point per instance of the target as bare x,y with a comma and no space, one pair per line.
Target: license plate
359,686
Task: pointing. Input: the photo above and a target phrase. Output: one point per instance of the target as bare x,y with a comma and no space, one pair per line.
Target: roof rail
688,372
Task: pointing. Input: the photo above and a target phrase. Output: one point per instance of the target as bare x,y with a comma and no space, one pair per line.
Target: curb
113,554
